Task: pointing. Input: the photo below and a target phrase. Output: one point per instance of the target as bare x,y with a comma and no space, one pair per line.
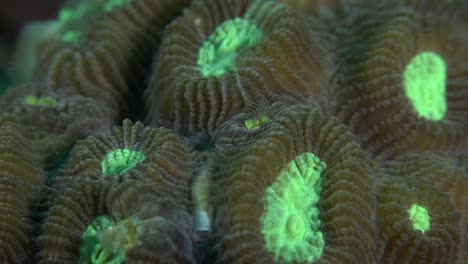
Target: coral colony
238,131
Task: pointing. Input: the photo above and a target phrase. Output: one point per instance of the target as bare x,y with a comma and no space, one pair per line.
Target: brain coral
263,131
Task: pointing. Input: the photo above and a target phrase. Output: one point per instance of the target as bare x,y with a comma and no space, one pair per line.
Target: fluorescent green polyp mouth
111,4
257,122
420,218
425,83
72,37
92,248
79,13
45,101
291,225
107,241
218,53
121,160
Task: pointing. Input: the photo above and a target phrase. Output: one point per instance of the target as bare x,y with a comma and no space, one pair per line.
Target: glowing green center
256,122
71,15
218,53
111,4
92,250
425,82
72,37
120,161
40,101
291,225
295,226
82,12
420,218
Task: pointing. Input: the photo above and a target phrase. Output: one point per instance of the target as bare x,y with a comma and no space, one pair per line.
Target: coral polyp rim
120,161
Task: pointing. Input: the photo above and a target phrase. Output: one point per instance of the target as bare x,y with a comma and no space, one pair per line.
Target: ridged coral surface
221,56
419,224
263,172
401,83
238,131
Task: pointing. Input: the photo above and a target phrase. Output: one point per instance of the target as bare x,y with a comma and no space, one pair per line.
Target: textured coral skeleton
239,131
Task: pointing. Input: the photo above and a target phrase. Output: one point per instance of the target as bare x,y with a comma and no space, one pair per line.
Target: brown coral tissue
21,174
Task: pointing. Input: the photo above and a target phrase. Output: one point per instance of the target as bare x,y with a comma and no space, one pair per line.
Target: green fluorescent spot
425,81
420,218
71,37
92,250
120,161
40,101
65,14
256,122
111,4
291,225
70,14
218,53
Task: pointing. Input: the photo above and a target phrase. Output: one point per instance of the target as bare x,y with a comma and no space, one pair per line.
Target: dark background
13,15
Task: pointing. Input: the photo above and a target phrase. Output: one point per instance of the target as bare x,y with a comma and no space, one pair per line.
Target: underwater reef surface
238,131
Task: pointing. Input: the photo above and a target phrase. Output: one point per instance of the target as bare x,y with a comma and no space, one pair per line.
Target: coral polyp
94,250
286,197
413,216
400,83
213,63
156,156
